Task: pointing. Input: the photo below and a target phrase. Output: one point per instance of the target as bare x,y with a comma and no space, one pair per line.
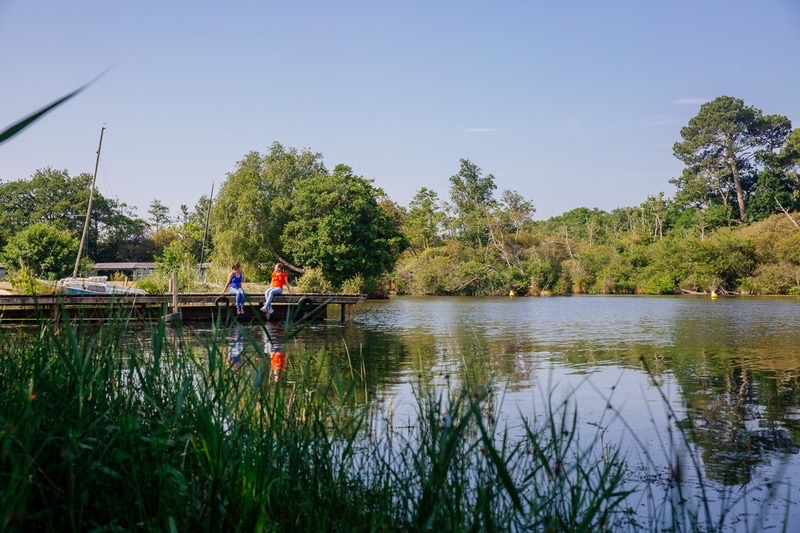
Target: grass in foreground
98,433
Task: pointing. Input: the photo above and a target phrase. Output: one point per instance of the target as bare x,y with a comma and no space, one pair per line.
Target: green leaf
27,121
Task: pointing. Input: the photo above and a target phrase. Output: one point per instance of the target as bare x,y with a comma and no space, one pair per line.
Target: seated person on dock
234,286
279,281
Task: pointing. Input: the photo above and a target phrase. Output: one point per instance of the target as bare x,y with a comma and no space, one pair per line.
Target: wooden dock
16,309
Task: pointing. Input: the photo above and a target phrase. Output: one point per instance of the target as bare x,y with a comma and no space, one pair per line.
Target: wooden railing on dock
190,306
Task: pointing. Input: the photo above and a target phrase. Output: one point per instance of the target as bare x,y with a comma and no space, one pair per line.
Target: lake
665,379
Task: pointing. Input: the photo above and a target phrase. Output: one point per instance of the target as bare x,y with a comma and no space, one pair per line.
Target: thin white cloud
480,130
690,101
660,120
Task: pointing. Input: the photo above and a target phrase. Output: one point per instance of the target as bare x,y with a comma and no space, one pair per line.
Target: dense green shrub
667,266
774,278
312,281
563,285
43,250
657,282
157,282
544,274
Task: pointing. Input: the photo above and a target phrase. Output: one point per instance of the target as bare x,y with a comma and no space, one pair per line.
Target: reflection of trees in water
742,398
742,410
728,417
387,358
346,351
739,378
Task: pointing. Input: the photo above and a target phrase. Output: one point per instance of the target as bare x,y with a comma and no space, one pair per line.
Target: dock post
173,281
173,289
348,310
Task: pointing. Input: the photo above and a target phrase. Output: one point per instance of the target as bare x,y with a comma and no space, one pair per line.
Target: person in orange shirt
279,282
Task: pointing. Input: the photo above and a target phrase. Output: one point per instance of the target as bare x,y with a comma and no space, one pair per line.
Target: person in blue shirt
234,286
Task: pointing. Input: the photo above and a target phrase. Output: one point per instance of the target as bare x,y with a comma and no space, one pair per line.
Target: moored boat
94,285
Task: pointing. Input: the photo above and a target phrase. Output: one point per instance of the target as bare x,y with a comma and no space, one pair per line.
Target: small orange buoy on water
512,293
713,295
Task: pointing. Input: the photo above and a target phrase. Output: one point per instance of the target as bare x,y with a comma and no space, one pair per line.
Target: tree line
732,225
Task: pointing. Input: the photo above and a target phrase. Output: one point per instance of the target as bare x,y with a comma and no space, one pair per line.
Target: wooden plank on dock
194,306
184,298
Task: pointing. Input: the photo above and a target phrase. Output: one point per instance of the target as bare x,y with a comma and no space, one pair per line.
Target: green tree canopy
44,250
590,225
253,204
472,196
159,214
191,228
336,223
54,197
50,196
124,238
778,185
507,219
424,224
719,149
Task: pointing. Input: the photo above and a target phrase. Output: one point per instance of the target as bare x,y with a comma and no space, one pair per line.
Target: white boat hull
94,285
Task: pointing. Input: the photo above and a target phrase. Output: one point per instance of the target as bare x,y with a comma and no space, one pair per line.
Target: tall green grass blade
30,119
500,463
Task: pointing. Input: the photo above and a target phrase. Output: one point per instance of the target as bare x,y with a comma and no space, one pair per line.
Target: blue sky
571,104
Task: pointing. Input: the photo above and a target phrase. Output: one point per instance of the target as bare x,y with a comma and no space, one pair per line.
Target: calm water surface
728,367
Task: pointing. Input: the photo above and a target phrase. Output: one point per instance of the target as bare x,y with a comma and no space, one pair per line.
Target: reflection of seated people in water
277,356
236,348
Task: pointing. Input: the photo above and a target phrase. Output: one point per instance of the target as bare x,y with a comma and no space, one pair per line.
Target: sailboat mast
89,208
205,233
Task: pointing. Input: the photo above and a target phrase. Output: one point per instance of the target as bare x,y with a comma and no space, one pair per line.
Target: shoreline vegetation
761,258
732,226
98,432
